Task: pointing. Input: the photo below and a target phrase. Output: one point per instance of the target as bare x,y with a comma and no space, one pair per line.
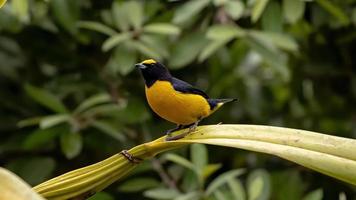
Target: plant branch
330,155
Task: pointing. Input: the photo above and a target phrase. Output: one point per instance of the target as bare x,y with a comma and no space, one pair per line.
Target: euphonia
175,100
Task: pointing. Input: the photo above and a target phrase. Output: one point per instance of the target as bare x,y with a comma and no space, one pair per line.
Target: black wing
185,87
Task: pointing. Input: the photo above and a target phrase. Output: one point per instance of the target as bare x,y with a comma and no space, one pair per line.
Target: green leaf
353,16
273,57
126,14
272,19
222,179
157,43
39,138
53,120
342,196
109,130
71,144
220,2
211,48
221,35
33,170
115,40
102,110
187,49
282,188
189,10
263,41
280,40
161,193
189,196
257,10
210,169
45,98
146,50
190,181
134,13
255,188
234,9
120,16
66,12
314,195
107,17
219,195
224,32
293,10
180,161
20,8
96,26
29,122
258,185
93,101
334,10
138,184
199,156
8,21
122,60
162,28
236,189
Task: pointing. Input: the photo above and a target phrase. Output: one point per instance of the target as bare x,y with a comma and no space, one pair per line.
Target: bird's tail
217,103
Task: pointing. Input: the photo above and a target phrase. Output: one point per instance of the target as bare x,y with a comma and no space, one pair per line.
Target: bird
175,100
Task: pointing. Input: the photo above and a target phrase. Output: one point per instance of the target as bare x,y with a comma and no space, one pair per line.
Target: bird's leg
191,128
168,133
130,157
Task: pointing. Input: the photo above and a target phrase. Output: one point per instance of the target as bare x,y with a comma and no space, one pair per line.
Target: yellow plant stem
330,155
2,3
13,187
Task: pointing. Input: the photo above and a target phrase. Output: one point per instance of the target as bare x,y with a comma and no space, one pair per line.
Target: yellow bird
175,100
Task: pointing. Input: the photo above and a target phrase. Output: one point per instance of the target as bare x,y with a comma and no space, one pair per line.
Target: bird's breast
174,106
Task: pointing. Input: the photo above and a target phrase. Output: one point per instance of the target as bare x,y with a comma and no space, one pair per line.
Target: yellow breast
179,108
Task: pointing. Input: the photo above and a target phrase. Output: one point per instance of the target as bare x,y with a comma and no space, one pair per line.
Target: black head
152,71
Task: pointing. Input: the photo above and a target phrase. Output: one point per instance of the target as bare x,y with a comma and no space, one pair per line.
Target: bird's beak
140,66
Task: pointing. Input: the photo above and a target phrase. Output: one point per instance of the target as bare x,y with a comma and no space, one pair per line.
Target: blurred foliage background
70,96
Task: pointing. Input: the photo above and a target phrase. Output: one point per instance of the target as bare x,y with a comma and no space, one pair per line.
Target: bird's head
152,71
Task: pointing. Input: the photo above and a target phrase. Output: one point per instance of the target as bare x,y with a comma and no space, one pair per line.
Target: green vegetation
70,97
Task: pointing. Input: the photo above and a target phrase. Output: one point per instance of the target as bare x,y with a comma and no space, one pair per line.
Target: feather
185,87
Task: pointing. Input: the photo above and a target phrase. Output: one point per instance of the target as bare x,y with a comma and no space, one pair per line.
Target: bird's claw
191,128
177,137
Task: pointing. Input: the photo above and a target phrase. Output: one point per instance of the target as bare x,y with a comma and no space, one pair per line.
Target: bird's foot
176,137
170,131
130,157
191,128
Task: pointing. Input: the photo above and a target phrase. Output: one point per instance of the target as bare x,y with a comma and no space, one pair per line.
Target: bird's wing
185,87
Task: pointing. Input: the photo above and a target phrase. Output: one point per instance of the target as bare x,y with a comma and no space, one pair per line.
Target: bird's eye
149,65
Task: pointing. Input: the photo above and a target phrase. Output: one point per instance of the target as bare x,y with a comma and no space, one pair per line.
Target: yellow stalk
14,188
2,3
330,155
